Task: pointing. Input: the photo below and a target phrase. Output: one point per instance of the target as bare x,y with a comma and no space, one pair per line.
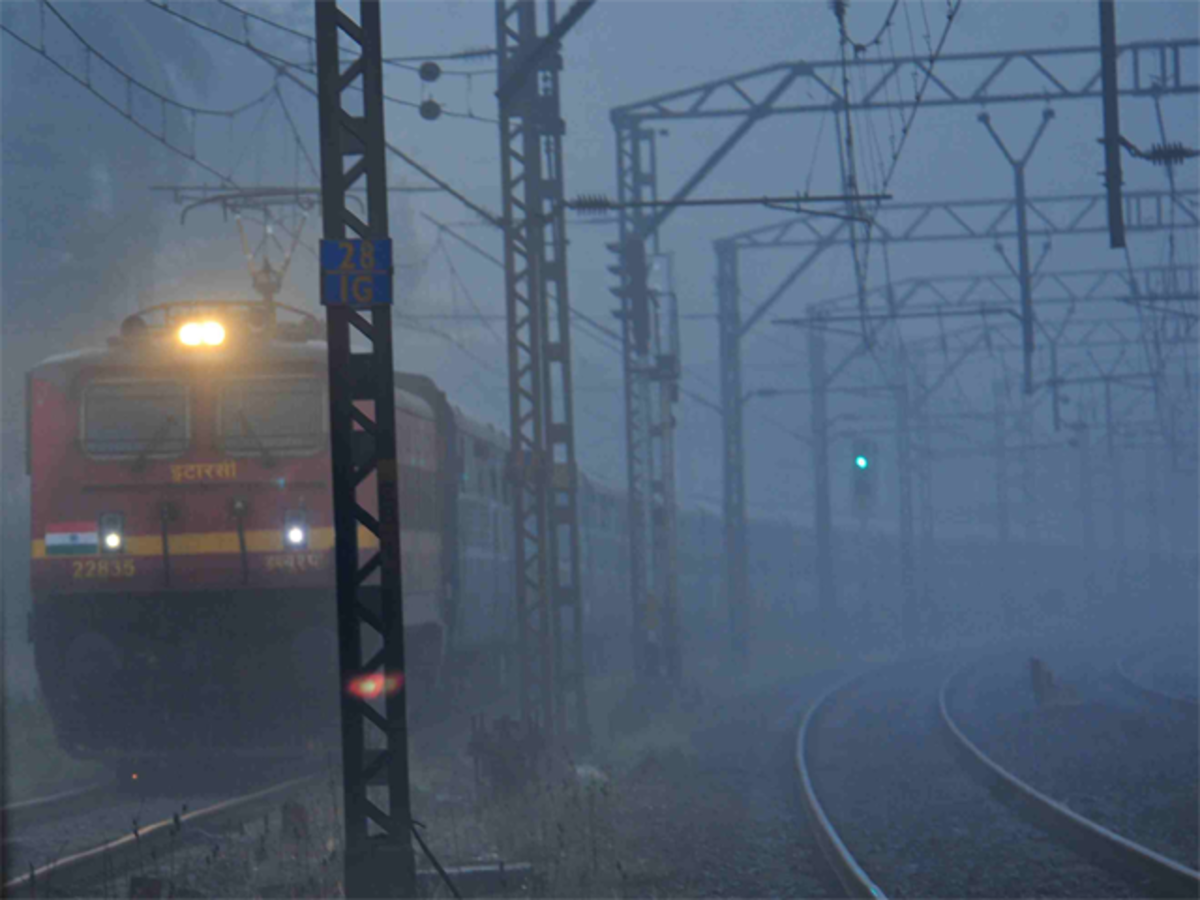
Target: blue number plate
356,273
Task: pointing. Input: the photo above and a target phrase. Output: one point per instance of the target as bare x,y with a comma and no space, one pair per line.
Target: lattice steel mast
543,470
800,87
378,861
635,173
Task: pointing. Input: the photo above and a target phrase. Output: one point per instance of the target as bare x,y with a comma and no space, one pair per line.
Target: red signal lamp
375,685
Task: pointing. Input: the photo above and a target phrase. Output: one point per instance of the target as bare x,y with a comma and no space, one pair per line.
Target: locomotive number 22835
103,568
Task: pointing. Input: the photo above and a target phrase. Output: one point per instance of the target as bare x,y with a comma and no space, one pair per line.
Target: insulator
476,53
592,203
1170,154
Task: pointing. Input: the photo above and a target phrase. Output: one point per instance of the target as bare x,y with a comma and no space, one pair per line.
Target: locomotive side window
124,419
264,416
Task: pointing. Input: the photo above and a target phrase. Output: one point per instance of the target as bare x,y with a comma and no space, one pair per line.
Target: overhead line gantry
1145,69
542,460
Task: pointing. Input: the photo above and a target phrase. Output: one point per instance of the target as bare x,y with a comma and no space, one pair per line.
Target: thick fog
87,240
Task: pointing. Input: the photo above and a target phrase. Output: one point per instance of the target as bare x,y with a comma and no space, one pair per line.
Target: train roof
131,355
150,340
479,430
126,354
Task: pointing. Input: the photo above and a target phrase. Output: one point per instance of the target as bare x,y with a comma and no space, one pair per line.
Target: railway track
90,860
118,857
1125,669
27,813
904,803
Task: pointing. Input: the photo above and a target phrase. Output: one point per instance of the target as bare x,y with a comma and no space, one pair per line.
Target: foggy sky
622,52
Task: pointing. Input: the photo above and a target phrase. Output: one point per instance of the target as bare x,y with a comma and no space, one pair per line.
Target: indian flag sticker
72,539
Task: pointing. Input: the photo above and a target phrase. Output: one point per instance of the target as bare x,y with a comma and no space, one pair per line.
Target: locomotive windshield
266,416
135,419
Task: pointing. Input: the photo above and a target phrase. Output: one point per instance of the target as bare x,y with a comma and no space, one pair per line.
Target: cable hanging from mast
308,68
136,90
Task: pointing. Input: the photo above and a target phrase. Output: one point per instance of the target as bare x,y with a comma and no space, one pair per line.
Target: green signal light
861,462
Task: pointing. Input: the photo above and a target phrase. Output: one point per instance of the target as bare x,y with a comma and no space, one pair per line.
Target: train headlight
112,532
194,334
295,529
212,333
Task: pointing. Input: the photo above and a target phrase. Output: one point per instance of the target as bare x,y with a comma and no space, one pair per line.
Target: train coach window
123,419
262,416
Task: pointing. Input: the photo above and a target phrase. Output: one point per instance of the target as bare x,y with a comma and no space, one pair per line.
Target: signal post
822,505
356,289
549,599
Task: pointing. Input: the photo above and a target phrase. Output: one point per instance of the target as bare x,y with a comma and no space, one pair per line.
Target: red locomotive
183,573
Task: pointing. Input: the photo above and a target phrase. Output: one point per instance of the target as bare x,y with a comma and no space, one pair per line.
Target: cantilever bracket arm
517,77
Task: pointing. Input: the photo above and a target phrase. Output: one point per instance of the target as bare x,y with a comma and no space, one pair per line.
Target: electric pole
1023,268
356,290
729,329
910,614
1086,520
541,402
1120,551
1003,525
1154,555
1112,123
665,377
822,505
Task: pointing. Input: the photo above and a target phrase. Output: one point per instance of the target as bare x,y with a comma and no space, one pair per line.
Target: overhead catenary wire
466,291
226,179
483,213
606,337
847,154
282,64
843,5
397,62
312,166
127,111
285,70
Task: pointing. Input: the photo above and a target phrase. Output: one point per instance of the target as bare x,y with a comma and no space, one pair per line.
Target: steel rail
78,868
43,809
852,876
1177,702
1118,853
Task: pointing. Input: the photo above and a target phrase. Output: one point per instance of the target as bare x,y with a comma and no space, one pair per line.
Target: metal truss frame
363,448
636,178
1150,69
549,600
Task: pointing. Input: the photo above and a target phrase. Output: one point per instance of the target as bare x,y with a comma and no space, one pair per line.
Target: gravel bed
1174,670
722,818
714,815
916,822
1123,763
